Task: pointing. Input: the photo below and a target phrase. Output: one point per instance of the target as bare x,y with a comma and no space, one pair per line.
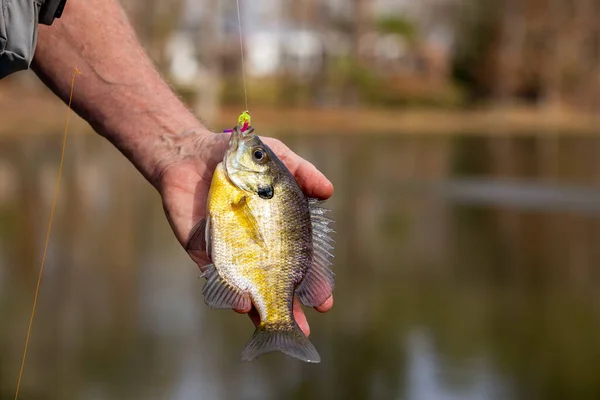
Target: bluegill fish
267,242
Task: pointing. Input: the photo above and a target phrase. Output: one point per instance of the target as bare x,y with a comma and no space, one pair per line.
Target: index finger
310,179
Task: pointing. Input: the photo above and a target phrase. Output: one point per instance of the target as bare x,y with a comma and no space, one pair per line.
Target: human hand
184,179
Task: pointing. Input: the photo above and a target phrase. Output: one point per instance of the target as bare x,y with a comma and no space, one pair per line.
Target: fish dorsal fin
220,294
247,220
318,282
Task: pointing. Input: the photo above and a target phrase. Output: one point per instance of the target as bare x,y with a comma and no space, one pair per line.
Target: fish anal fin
220,294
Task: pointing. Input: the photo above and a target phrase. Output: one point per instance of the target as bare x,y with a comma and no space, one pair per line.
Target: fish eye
259,155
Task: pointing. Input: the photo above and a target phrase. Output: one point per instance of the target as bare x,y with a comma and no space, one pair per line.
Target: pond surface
467,268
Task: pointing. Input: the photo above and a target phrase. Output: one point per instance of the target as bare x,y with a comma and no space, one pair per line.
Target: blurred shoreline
40,112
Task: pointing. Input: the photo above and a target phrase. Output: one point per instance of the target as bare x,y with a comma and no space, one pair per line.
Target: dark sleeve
18,30
51,9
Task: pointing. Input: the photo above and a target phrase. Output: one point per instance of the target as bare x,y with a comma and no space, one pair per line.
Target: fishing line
242,52
39,281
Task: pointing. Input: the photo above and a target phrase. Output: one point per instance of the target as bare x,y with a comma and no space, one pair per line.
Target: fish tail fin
289,340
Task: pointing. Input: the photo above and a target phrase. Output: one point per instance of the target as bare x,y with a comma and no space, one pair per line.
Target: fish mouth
237,137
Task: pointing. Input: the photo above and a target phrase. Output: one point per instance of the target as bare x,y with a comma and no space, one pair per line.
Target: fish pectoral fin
319,280
197,240
200,237
247,220
220,294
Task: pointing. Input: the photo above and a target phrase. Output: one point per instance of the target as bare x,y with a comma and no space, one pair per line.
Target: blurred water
467,268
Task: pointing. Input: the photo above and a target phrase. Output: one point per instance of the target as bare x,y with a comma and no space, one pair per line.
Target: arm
125,100
120,93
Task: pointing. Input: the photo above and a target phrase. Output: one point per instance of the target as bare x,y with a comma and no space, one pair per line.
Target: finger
254,317
312,181
300,317
326,306
245,310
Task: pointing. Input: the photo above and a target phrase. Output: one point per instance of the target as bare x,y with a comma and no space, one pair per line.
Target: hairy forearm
119,93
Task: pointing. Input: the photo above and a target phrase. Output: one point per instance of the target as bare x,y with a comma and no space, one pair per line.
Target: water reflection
445,291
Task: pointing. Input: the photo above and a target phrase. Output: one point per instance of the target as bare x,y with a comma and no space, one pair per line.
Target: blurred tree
540,51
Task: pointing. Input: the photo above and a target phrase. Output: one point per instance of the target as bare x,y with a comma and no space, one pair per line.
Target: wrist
171,149
190,145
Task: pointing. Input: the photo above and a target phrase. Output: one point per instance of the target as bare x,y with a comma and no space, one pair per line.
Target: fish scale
271,270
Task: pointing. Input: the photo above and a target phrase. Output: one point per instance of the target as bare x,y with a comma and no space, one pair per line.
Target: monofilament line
39,280
242,52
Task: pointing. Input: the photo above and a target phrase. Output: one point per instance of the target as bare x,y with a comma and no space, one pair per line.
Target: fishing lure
244,122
